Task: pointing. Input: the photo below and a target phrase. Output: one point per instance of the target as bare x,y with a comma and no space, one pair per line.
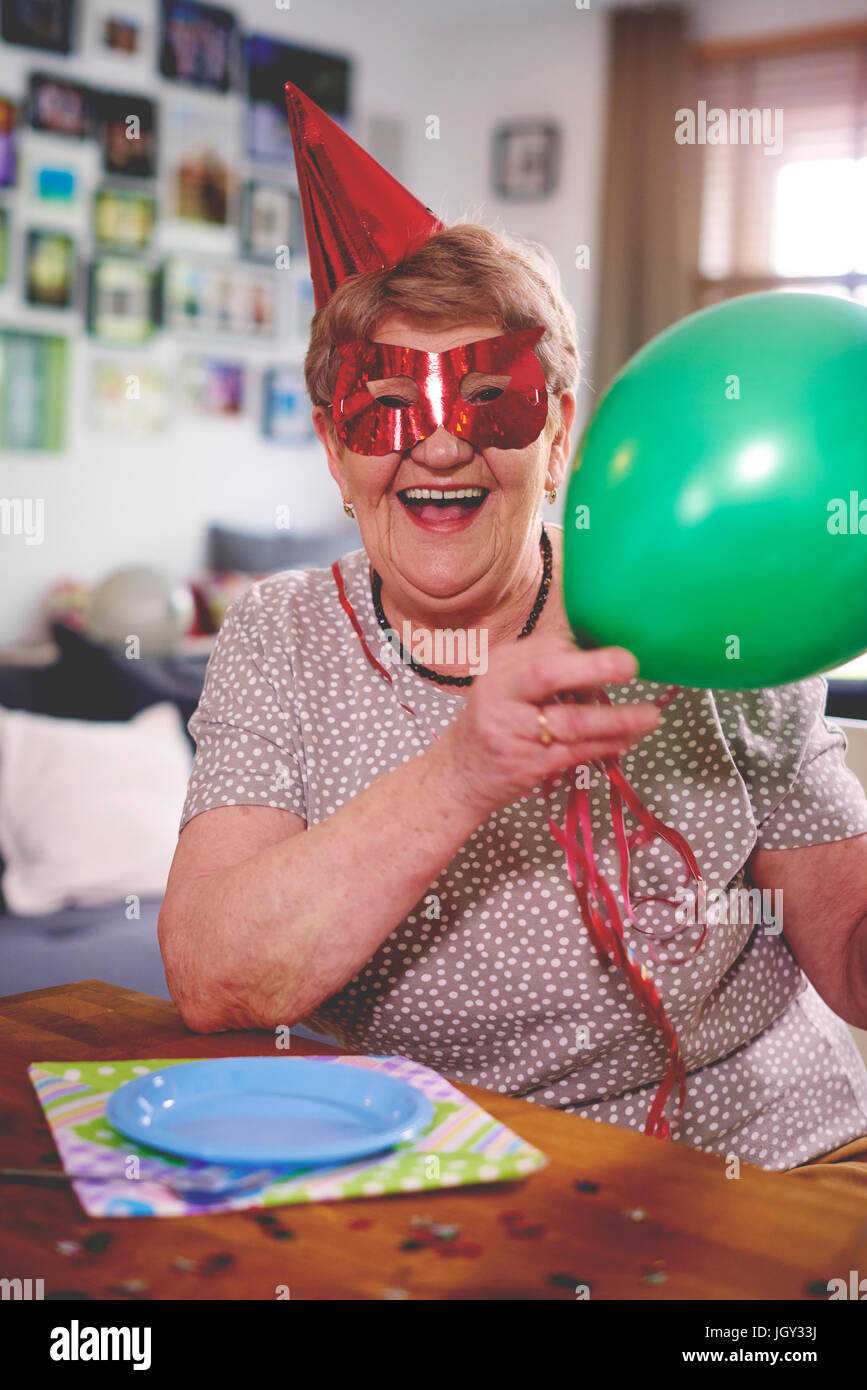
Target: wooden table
658,1208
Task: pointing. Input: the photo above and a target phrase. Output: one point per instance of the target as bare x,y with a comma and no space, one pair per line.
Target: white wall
515,66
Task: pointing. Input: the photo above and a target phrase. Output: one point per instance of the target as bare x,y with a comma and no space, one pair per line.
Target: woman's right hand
493,749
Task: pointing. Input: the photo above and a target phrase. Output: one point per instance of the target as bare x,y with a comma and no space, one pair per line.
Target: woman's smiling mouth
443,509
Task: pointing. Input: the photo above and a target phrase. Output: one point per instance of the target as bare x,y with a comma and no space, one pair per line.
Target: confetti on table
68,1247
361,1223
517,1226
567,1281
584,1186
214,1263
394,1295
635,1213
99,1241
271,1226
818,1288
129,1286
183,1264
655,1276
442,1238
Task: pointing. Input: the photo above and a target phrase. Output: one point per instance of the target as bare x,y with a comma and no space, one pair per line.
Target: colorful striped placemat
116,1177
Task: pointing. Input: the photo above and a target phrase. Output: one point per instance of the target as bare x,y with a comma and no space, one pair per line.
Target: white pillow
88,810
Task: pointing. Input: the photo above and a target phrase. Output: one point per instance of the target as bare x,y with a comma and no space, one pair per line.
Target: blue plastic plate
268,1110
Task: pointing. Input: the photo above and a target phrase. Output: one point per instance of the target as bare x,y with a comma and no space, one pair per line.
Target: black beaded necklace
429,675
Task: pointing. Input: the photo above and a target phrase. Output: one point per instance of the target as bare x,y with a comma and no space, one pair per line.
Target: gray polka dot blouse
491,979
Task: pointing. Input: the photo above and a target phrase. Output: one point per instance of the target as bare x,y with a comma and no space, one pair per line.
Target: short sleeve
248,750
793,761
825,802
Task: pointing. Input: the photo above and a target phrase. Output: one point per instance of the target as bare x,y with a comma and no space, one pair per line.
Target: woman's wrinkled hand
493,750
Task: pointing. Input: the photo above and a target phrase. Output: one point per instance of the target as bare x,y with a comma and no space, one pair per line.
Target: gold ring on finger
545,735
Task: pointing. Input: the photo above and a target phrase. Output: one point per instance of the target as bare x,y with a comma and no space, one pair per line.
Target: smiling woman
364,846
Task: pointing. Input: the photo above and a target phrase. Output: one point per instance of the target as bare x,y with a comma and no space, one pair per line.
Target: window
786,207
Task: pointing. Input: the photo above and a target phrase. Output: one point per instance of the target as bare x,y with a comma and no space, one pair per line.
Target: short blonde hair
465,273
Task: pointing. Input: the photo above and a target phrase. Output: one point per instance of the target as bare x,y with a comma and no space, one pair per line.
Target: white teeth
434,493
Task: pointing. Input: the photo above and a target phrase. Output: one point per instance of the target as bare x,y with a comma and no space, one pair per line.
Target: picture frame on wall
526,160
198,44
122,32
120,35
270,63
128,133
48,25
202,174
122,300
215,299
113,410
286,416
55,173
8,121
49,268
266,219
123,219
33,390
60,107
213,386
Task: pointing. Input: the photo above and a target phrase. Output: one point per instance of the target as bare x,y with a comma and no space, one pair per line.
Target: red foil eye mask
412,410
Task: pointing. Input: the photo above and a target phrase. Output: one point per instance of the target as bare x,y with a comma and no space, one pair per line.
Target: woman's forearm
265,941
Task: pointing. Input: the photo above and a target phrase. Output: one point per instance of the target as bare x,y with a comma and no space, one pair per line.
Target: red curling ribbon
351,614
600,911
607,931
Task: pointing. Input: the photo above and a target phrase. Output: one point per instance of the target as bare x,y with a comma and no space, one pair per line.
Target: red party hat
356,216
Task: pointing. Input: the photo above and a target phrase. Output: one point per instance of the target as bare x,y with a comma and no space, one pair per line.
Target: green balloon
716,515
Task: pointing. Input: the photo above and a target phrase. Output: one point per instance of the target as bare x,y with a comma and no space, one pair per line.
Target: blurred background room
156,450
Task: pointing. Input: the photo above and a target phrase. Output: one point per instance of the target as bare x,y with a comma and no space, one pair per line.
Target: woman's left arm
810,813
824,916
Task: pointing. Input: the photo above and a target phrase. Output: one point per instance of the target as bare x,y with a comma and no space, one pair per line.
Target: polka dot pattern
491,979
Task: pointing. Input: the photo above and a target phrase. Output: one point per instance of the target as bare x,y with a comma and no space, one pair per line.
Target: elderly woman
365,846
